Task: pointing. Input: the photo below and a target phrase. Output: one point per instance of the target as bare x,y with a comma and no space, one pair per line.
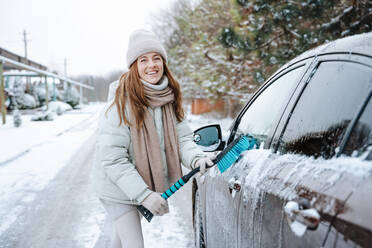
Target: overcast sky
91,34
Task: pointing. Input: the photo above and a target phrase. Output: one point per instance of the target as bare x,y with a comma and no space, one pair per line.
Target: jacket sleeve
189,151
114,143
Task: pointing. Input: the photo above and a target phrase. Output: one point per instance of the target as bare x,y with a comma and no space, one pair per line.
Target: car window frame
306,62
353,123
318,59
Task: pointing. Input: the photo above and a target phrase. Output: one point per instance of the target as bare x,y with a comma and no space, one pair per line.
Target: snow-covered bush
18,98
59,110
59,107
17,120
43,116
40,92
18,87
27,102
27,96
78,106
34,95
59,95
71,96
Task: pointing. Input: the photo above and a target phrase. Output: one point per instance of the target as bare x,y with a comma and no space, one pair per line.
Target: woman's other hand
203,163
156,204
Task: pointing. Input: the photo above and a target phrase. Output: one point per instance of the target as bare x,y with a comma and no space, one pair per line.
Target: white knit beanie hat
143,41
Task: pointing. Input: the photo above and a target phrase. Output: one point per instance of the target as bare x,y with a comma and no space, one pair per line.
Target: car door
353,227
222,195
302,171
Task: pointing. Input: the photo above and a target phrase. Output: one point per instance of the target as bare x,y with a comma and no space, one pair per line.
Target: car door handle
300,213
234,186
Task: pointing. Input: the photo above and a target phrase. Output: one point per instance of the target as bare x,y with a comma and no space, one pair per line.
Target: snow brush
224,160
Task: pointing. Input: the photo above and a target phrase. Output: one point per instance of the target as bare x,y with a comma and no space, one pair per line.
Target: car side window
361,135
328,104
259,117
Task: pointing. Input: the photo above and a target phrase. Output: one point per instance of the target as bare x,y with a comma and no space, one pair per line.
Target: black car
308,180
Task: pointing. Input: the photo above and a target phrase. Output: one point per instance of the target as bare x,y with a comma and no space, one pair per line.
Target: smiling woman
150,67
143,139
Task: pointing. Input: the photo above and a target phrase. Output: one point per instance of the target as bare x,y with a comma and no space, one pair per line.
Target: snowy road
60,214
47,201
67,214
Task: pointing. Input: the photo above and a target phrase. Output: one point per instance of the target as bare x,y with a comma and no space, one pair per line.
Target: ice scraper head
232,152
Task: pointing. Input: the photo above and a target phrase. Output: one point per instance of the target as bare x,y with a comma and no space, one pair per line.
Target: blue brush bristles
233,154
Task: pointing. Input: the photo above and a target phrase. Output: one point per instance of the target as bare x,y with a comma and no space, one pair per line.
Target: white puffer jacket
115,177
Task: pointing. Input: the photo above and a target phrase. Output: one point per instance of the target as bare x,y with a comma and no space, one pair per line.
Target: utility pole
65,66
2,95
46,92
25,42
65,73
28,81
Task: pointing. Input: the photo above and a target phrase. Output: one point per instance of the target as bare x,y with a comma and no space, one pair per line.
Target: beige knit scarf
146,143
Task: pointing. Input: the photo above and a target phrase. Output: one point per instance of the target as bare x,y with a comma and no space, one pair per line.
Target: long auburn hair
131,90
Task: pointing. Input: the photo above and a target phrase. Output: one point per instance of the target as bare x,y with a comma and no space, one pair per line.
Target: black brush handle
145,212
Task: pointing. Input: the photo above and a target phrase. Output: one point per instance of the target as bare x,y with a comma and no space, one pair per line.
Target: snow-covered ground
34,153
37,154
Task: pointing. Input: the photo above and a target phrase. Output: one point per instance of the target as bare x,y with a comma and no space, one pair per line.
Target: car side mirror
209,138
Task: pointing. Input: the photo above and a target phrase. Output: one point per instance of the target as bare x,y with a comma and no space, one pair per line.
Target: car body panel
336,187
259,205
221,212
354,222
272,180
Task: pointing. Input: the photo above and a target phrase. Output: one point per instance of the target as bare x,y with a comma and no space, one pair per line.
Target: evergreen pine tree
228,48
273,32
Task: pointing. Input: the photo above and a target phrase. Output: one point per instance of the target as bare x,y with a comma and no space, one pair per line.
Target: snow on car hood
261,169
254,160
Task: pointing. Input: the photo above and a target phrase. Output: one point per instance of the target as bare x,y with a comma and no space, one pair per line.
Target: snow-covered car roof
356,44
360,44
